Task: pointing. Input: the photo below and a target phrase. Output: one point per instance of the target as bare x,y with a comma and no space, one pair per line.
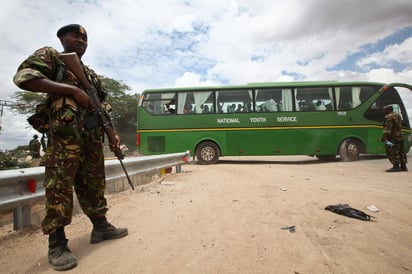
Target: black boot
60,256
395,168
403,167
103,230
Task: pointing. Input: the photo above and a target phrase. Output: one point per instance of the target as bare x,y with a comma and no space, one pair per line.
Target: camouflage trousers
396,154
73,162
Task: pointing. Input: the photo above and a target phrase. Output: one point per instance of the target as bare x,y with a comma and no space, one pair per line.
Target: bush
14,158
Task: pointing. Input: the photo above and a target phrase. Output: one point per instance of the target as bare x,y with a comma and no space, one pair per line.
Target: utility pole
4,103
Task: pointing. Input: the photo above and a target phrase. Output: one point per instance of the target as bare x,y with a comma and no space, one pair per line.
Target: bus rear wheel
349,150
207,153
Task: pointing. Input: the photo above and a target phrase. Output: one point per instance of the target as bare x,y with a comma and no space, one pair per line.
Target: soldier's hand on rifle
81,97
49,86
116,145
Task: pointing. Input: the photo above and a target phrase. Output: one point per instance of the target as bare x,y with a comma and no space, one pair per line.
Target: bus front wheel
207,153
349,150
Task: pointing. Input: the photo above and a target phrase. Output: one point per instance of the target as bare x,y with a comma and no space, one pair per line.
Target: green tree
124,112
26,102
124,108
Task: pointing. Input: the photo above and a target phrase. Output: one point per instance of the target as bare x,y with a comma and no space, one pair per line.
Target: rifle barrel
127,175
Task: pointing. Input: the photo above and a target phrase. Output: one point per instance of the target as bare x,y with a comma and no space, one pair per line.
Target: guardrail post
178,168
21,217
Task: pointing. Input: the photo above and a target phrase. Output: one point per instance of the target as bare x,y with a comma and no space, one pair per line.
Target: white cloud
401,53
192,79
15,131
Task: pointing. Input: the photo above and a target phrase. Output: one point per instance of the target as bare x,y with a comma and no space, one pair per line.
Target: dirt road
227,218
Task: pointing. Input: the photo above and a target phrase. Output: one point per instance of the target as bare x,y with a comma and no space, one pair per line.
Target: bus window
148,105
159,103
366,92
314,99
351,97
197,102
389,97
203,102
232,101
272,100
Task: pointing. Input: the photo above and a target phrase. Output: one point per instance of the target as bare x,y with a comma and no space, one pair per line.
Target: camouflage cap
76,28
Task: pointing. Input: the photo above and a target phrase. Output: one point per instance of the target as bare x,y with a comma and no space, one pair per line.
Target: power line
4,103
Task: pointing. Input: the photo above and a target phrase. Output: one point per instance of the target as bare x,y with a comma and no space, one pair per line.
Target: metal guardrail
20,188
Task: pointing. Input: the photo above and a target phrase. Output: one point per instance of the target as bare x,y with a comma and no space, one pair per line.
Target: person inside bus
248,107
220,107
205,109
231,108
320,106
270,105
187,109
169,109
239,108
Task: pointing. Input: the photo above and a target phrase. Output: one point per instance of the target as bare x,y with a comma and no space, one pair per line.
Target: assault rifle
72,61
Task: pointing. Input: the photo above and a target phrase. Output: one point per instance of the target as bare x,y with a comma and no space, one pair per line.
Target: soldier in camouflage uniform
34,147
393,139
74,154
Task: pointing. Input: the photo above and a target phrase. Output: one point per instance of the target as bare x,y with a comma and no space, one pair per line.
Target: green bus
325,119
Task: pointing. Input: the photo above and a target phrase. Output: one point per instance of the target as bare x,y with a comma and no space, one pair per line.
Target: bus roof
267,85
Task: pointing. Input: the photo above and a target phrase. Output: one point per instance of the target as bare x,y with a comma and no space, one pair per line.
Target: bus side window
148,105
154,107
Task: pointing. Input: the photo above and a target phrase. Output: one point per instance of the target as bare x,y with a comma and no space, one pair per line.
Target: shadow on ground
296,160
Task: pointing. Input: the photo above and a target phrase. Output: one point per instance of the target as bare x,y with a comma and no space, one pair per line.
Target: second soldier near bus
393,139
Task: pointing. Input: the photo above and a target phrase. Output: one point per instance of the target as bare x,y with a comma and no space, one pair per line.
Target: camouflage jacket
392,127
45,63
34,145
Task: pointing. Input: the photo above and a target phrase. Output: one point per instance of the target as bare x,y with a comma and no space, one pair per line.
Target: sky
158,43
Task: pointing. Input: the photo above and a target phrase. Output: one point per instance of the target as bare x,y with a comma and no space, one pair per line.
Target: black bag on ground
345,209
